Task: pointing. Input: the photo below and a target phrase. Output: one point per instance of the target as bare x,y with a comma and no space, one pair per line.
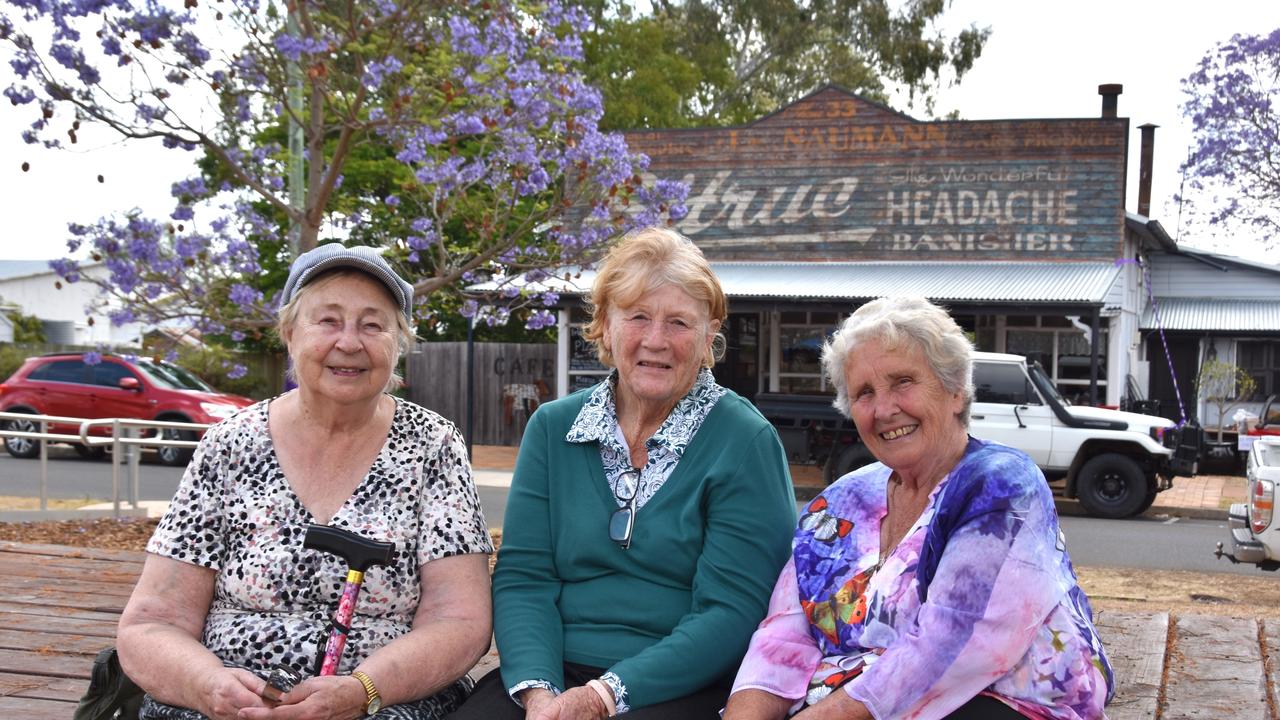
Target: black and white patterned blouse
234,512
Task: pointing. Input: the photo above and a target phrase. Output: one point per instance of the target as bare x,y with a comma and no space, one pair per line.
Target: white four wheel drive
1255,534
1114,462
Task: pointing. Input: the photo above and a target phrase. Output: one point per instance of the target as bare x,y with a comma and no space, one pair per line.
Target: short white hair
894,322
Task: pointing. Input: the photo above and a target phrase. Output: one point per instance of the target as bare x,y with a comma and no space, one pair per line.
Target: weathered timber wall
835,177
511,379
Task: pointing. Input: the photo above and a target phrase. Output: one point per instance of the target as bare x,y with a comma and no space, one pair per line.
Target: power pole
297,163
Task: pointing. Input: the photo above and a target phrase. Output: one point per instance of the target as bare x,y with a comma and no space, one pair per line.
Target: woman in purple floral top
936,583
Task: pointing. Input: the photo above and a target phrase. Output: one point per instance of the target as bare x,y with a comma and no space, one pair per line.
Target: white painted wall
38,295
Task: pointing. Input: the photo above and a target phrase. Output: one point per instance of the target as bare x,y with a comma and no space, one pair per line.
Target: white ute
1255,534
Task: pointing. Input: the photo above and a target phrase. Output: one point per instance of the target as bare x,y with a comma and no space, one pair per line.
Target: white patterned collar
597,421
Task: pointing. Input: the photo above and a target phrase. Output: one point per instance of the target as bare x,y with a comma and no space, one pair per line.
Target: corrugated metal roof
954,281
22,268
999,282
1209,314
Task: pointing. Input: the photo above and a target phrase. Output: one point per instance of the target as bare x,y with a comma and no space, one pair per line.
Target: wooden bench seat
59,606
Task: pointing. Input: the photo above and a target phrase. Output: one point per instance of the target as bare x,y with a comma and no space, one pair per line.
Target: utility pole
297,166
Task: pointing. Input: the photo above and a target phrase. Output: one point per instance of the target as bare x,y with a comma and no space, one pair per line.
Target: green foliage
216,365
26,328
1224,385
723,62
11,357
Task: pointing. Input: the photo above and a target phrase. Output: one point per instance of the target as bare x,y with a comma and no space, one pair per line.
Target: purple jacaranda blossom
509,132
92,357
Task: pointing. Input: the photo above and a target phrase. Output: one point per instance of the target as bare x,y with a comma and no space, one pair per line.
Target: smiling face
907,419
343,342
658,344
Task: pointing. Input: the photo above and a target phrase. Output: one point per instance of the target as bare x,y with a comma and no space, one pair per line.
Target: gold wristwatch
373,703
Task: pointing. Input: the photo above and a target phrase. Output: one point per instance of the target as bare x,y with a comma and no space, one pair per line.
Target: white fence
126,441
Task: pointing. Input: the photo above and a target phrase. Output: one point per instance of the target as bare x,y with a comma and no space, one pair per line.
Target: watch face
374,706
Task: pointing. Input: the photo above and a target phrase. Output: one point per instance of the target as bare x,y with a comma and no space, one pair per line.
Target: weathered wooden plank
1271,650
71,552
42,642
51,664
35,708
96,602
56,567
16,614
1215,670
112,594
43,688
53,625
1135,645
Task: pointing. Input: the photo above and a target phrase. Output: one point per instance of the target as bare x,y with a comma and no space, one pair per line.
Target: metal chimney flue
1110,98
1144,169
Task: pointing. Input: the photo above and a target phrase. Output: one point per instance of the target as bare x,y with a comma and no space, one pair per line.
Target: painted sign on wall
836,177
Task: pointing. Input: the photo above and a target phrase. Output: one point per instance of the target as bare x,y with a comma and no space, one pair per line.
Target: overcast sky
1044,59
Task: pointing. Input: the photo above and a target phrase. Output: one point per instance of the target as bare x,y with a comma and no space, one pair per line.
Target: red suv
64,384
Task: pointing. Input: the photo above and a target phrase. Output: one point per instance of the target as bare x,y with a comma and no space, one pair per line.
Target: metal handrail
122,436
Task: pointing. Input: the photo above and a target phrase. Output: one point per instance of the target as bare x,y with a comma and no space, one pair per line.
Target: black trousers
983,707
489,701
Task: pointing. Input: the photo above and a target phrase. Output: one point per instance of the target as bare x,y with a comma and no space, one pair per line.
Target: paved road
73,477
1160,543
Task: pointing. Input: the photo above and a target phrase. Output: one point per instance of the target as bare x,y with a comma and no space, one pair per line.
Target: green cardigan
673,613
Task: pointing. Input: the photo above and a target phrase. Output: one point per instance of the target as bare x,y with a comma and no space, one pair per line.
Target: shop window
801,385
1261,359
801,349
800,339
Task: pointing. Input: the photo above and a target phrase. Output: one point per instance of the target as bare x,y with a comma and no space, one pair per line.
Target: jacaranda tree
1233,102
498,169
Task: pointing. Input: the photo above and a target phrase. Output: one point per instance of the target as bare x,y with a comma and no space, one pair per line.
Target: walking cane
360,554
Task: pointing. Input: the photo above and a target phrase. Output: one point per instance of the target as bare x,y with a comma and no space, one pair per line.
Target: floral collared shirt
597,421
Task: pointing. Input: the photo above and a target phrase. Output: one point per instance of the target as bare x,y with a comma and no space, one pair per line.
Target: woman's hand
230,690
580,703
331,697
534,700
839,705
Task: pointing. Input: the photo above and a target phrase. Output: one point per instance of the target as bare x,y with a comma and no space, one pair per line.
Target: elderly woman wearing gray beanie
230,594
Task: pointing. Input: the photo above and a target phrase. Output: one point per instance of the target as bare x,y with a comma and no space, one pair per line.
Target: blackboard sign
582,354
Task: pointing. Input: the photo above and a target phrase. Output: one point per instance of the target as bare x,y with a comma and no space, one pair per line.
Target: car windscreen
186,378
159,376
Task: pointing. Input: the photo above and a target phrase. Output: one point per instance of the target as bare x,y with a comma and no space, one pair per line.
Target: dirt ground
1126,590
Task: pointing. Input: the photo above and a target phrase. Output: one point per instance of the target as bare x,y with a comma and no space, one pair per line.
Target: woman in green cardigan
647,514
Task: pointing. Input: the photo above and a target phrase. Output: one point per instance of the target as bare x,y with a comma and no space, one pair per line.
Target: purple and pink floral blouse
979,597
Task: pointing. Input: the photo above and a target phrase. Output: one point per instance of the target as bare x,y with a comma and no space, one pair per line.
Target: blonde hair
643,261
288,316
895,322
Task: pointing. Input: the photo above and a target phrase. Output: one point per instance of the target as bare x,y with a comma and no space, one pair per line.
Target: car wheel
95,452
846,460
22,447
177,456
1111,486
